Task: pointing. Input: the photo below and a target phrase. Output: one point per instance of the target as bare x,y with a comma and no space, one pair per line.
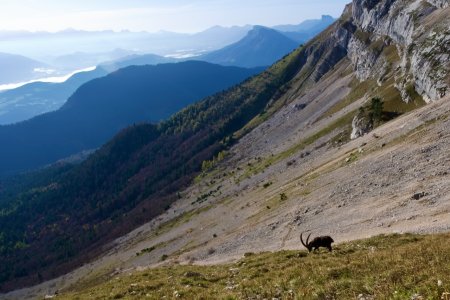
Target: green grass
385,267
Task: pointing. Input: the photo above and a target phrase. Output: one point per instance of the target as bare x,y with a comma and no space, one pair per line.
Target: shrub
267,184
376,109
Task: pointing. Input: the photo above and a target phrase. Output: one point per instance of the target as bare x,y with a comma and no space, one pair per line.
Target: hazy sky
154,15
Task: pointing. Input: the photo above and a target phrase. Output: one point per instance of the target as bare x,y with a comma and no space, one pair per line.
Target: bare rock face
367,63
430,65
361,125
420,32
439,3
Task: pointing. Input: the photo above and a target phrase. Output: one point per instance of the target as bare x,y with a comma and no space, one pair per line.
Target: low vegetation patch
146,250
382,267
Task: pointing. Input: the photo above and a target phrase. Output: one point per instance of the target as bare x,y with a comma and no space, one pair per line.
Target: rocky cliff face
420,32
360,127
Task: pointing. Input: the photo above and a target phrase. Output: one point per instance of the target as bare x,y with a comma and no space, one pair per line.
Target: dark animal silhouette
320,241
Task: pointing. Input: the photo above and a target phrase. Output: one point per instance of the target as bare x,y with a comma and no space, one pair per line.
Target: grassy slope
386,267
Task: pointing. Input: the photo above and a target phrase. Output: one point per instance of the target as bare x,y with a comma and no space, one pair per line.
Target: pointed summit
262,46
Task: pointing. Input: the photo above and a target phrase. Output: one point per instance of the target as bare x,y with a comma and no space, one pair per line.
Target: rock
299,106
418,196
360,126
364,297
362,58
176,294
416,297
424,55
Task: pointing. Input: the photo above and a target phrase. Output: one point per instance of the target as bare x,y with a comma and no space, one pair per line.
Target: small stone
416,297
364,297
419,195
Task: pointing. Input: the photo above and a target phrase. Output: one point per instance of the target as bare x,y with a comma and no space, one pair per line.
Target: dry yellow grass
382,267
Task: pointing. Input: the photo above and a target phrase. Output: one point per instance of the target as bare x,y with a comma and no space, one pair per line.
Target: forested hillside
102,107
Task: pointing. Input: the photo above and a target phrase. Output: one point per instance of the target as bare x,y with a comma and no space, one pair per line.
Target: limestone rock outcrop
419,31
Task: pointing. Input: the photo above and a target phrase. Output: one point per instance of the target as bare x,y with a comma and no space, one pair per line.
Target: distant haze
53,79
155,15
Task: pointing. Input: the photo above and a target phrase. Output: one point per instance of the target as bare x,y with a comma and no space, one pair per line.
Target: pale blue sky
154,15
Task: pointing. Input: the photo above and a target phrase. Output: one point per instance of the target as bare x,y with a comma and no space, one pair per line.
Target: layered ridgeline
290,165
102,107
37,98
260,47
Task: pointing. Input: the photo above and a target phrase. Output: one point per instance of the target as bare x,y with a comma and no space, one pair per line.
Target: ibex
320,241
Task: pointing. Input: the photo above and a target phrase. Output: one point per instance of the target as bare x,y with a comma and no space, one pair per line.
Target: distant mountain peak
258,29
262,46
327,18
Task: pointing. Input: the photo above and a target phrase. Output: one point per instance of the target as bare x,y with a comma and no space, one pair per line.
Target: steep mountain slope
262,46
104,106
17,68
293,167
37,98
